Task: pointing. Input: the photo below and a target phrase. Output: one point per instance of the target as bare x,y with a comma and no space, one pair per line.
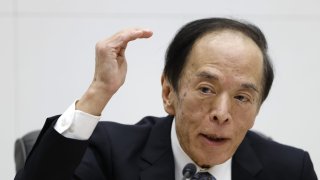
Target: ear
167,96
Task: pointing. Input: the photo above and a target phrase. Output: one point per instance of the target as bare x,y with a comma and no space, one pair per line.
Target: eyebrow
207,75
250,86
210,76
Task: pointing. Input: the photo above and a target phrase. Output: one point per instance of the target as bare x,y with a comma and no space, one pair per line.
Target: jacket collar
245,164
157,158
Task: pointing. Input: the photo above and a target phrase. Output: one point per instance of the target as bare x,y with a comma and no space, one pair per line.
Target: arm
56,157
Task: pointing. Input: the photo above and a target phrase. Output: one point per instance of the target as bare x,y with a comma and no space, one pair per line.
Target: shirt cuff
76,124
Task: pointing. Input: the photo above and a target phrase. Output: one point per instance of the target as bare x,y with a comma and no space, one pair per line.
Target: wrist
94,99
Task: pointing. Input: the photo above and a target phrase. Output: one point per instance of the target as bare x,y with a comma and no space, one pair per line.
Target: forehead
226,52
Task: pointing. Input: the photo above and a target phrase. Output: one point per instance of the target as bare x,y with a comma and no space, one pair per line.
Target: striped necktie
203,176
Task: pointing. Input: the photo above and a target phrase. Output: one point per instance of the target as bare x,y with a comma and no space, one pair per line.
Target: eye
205,90
242,98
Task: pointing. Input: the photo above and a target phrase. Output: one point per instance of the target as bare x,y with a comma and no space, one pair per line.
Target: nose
220,112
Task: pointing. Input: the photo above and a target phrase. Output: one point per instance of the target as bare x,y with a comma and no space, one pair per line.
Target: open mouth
214,140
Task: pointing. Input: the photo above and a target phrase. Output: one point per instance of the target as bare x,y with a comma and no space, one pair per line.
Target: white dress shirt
76,124
79,125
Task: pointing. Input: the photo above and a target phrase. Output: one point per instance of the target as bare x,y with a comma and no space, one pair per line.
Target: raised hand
110,69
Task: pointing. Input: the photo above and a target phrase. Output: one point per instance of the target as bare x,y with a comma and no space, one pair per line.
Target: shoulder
115,132
279,158
266,147
143,126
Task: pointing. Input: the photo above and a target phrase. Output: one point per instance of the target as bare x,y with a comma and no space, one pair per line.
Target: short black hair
181,45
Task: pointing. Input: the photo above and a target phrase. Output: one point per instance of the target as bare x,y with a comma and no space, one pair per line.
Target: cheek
192,107
185,130
244,120
186,116
189,115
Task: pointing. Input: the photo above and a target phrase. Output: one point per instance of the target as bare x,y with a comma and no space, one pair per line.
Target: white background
47,60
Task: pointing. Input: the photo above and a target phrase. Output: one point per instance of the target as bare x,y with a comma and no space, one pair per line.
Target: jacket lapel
245,163
157,160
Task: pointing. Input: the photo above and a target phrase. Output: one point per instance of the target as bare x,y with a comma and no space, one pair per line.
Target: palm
111,65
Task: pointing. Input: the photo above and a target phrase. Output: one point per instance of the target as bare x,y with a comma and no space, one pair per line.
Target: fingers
133,34
122,38
118,42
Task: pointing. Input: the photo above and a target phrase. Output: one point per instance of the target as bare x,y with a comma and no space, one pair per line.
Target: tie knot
203,176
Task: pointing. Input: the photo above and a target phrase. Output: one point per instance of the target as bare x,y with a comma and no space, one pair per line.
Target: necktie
203,176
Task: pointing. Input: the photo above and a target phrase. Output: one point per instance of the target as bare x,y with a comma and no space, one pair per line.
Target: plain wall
47,61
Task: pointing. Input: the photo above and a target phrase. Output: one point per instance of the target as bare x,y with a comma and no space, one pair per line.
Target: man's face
218,97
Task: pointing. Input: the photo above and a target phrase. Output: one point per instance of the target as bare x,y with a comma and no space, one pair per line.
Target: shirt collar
220,172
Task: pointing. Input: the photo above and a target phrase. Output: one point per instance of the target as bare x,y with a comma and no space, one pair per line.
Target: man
216,77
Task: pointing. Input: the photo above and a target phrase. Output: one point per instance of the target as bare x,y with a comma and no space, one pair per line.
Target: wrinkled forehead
229,51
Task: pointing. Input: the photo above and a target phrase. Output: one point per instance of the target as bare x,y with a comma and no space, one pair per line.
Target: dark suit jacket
143,151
